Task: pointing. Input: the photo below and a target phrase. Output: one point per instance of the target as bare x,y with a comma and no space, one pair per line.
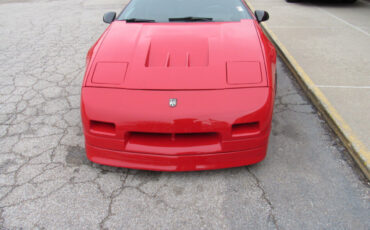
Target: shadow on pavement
333,3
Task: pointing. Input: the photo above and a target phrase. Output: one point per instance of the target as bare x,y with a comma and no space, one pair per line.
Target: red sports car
179,85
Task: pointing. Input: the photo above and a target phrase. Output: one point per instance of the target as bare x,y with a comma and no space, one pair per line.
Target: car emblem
173,102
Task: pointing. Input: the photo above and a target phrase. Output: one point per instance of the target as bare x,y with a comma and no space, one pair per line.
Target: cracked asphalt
307,181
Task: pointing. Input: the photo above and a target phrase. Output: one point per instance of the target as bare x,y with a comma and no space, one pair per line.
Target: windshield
185,10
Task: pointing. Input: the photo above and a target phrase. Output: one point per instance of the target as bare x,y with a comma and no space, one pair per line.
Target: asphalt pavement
307,181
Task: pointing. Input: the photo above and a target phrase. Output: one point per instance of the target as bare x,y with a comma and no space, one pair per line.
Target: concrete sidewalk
332,44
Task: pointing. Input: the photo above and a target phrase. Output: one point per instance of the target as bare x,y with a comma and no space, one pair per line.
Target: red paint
238,70
221,73
115,70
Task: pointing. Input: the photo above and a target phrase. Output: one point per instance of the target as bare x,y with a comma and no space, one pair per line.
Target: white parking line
345,22
343,86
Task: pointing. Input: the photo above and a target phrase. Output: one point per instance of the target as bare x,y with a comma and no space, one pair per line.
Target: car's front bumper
208,129
158,162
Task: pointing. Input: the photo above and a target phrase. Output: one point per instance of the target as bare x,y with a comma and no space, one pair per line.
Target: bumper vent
177,143
104,128
245,129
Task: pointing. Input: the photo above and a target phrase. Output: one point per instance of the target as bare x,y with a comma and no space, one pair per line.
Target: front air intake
104,128
173,143
245,129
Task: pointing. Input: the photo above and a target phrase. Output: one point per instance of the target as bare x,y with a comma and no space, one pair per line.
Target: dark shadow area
333,3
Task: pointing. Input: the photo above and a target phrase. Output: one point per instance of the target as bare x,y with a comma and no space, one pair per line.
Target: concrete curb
354,146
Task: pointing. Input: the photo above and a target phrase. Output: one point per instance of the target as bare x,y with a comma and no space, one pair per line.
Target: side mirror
261,15
109,17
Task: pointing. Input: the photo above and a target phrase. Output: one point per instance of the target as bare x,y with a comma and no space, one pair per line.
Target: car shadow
333,3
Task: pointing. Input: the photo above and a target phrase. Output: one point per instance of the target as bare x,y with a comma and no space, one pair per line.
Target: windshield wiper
138,20
190,19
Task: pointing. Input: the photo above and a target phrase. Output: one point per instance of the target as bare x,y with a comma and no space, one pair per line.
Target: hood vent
177,52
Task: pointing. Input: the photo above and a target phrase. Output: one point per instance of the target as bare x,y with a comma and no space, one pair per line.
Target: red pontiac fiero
179,85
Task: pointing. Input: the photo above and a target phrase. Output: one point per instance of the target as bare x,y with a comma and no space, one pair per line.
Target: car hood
178,56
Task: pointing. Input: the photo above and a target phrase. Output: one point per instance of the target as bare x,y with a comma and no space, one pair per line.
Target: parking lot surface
307,180
337,37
